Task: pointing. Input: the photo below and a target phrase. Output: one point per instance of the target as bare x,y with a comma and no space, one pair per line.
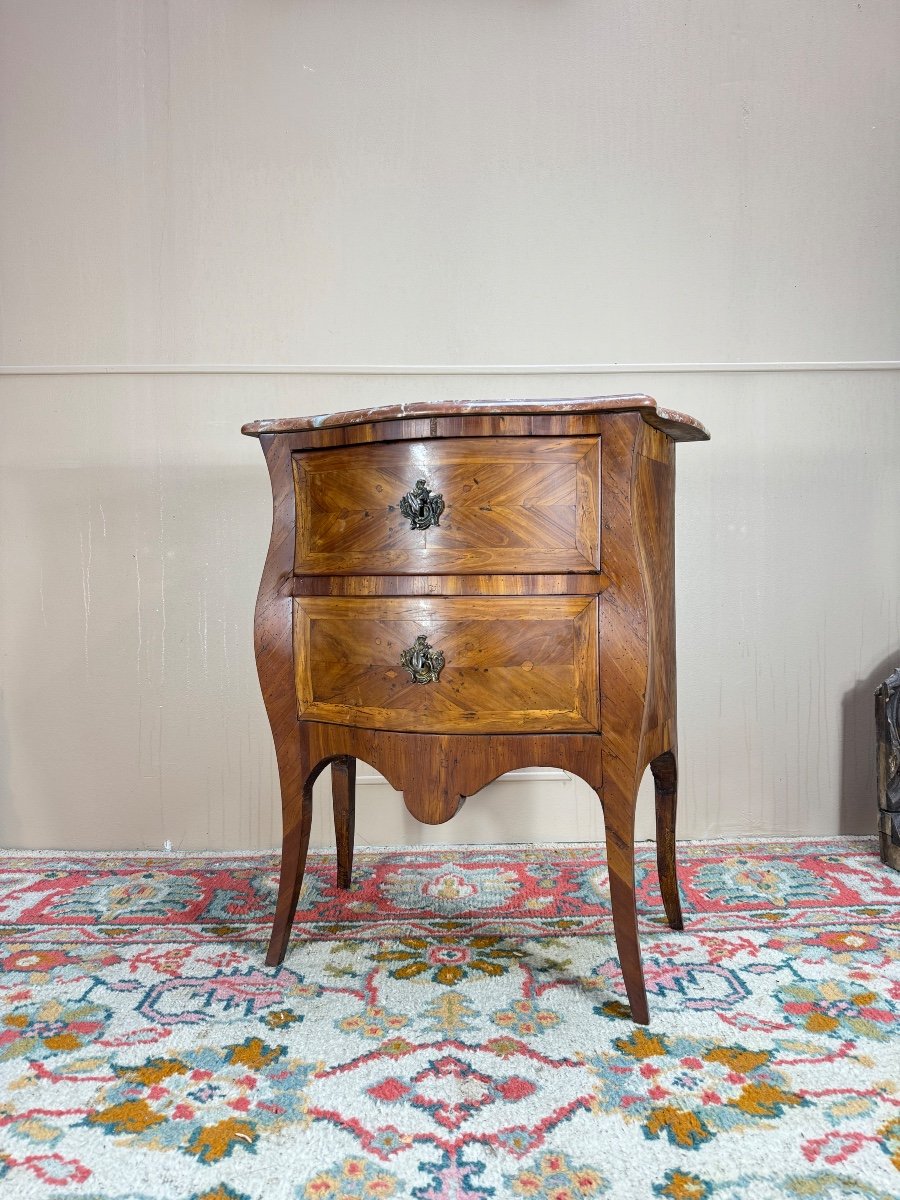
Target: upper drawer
510,505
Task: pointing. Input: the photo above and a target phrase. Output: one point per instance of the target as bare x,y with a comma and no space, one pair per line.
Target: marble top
677,425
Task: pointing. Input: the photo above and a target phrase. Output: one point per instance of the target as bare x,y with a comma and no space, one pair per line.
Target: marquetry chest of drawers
454,590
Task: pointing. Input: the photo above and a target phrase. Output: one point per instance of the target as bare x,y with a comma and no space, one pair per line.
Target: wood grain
274,663
665,778
653,518
624,673
343,800
513,665
437,772
561,665
517,505
449,585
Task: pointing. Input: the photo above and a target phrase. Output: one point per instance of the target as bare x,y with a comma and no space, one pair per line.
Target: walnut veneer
456,590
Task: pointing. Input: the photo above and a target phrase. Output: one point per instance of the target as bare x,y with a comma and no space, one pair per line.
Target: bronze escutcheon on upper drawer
446,665
449,506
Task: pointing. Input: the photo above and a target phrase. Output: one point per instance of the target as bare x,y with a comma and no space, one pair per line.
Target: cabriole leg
296,793
665,776
618,814
343,796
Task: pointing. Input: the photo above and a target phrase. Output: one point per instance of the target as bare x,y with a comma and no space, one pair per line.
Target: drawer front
506,505
497,665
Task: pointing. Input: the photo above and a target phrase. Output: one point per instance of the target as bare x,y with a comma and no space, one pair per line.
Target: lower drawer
448,665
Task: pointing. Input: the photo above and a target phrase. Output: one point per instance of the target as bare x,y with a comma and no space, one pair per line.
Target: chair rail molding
520,775
608,368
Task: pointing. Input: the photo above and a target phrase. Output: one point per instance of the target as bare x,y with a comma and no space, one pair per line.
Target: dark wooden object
535,596
887,767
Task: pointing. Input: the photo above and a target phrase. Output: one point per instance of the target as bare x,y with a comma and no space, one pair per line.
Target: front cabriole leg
619,797
273,643
297,798
637,667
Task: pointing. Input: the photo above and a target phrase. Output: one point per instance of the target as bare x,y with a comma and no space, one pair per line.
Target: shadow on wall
5,785
859,803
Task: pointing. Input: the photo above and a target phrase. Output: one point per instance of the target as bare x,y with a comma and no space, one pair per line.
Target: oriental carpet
452,1028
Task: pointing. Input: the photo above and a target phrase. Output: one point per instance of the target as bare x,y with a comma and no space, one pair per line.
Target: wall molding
522,775
445,369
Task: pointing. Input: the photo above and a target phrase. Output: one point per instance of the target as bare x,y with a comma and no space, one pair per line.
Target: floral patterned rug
454,1026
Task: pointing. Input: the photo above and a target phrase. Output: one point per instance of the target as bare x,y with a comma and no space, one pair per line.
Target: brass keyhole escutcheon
422,508
422,661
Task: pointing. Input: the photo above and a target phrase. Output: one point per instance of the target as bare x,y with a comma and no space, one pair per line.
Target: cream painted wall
232,184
